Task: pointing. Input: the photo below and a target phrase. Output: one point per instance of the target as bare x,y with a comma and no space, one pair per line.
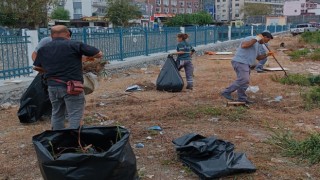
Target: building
228,10
301,7
208,6
84,8
172,7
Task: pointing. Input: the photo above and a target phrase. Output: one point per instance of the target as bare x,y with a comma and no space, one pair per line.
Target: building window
158,2
173,2
158,9
196,4
181,10
181,3
237,15
174,10
237,5
218,0
189,4
189,10
166,10
166,2
223,0
218,6
224,10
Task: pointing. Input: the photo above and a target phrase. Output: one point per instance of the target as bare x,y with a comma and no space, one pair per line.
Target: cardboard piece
224,53
275,69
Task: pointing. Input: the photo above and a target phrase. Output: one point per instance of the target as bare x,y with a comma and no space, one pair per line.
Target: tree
120,12
24,13
60,13
200,18
256,9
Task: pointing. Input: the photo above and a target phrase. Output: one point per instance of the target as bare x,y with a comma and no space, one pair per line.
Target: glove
259,37
270,53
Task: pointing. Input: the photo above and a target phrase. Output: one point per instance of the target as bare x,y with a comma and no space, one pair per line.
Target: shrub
312,97
297,54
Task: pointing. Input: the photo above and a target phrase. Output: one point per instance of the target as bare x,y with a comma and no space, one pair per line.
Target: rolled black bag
210,157
109,155
169,78
35,102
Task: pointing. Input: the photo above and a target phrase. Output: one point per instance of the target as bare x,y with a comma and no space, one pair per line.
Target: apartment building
84,8
301,7
174,6
277,5
228,10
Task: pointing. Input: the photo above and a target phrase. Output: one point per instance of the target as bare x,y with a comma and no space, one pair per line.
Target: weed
236,114
312,98
199,111
297,54
167,162
315,55
293,79
311,37
308,149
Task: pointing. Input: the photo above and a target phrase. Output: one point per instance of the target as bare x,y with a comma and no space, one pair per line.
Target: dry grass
178,114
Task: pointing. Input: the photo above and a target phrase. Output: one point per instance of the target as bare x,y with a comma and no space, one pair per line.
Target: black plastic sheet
169,78
210,157
116,161
35,102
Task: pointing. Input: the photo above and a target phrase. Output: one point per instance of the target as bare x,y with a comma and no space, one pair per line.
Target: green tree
200,18
256,9
60,13
120,12
24,13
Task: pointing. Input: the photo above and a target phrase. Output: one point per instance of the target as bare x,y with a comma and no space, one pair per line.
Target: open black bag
169,78
116,161
210,157
34,102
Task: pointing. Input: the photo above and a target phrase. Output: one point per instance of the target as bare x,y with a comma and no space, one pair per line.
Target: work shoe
190,87
260,71
227,96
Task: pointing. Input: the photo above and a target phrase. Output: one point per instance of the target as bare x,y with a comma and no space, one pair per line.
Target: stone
6,105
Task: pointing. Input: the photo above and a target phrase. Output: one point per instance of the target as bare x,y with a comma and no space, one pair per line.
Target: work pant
261,64
62,103
242,83
188,68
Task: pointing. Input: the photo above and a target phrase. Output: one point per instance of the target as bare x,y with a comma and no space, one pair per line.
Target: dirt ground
177,114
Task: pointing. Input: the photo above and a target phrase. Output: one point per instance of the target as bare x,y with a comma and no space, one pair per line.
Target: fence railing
121,43
14,56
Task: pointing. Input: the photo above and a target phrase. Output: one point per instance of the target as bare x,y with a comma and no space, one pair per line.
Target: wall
292,8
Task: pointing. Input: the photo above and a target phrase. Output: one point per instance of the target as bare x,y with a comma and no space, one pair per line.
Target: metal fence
118,44
14,56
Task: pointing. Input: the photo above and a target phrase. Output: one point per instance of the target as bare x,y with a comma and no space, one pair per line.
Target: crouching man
61,61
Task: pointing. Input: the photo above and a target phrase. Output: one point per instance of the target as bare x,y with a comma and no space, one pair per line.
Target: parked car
301,28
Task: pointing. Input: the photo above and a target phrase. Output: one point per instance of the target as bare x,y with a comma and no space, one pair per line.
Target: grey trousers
242,83
188,68
62,103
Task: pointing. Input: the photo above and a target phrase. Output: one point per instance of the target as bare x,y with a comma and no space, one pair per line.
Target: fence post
195,36
205,36
182,29
84,35
166,40
34,39
215,35
275,28
146,35
121,44
251,30
229,33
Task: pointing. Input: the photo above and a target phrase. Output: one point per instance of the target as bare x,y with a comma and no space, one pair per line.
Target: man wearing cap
246,55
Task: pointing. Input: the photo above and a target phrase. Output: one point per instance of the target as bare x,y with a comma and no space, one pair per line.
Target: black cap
267,34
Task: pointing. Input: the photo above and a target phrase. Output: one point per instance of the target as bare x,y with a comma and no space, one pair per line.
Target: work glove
270,53
259,37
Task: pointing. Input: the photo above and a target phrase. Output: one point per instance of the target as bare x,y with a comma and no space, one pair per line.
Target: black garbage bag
169,78
35,102
210,157
110,156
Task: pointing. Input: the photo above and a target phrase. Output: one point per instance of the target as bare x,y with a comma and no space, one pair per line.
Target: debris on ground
133,88
155,128
139,145
253,89
6,105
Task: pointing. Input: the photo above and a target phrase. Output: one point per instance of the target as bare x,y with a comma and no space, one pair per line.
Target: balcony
99,4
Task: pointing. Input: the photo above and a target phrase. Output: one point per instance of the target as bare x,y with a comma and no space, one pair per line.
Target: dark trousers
188,68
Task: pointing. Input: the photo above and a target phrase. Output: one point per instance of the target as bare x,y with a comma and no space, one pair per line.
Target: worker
246,55
61,61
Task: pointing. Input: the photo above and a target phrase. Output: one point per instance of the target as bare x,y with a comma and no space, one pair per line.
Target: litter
139,145
214,119
217,53
211,157
149,138
155,128
133,88
276,99
253,89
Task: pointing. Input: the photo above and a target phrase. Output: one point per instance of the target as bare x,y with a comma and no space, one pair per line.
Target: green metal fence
14,57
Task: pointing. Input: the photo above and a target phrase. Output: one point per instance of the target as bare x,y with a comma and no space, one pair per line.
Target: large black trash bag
169,78
35,102
115,161
210,157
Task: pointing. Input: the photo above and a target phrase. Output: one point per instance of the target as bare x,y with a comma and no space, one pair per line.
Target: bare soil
177,114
